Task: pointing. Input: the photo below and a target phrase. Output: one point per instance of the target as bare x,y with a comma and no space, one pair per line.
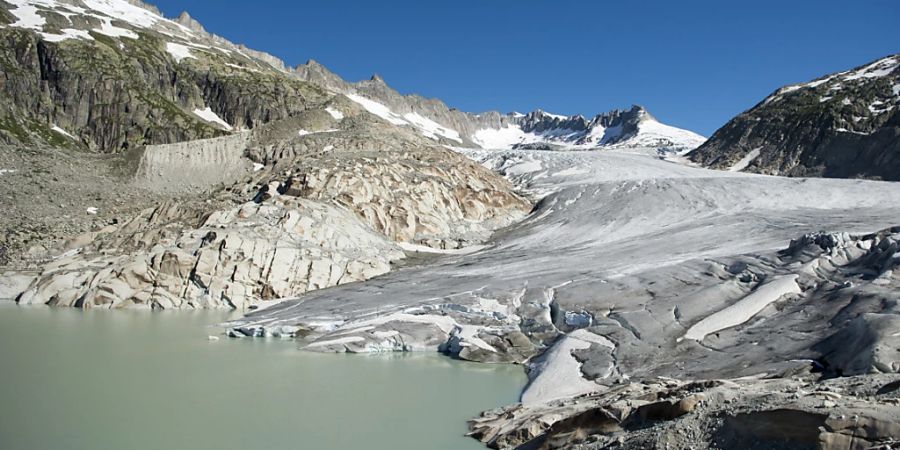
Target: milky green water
73,379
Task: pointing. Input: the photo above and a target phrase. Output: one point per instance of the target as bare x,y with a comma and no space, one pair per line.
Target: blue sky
693,64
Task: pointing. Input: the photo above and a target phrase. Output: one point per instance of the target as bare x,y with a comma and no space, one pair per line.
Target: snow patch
67,33
556,116
178,51
430,128
240,67
378,109
877,69
502,138
62,132
305,133
111,30
92,210
209,116
425,249
745,308
878,108
28,16
559,374
844,130
427,127
335,113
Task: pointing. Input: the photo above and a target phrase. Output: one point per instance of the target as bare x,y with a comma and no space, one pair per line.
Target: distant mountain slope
634,127
112,75
843,125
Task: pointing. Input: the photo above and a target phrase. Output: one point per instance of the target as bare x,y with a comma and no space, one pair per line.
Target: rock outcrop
236,259
398,184
710,414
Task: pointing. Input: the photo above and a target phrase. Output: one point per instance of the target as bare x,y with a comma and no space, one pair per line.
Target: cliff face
844,125
140,86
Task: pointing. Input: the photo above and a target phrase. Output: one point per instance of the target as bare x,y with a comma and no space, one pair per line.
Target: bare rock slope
315,202
843,125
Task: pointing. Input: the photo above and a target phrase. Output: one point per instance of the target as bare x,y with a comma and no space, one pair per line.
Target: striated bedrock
396,181
331,201
843,125
236,259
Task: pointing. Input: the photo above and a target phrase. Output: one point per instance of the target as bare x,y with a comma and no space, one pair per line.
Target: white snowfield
623,242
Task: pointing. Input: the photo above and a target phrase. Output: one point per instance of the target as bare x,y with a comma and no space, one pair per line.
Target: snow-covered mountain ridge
633,127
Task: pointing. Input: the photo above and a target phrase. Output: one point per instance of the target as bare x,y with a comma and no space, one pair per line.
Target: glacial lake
72,379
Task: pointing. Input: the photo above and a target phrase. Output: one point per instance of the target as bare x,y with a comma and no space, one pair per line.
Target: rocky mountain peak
539,121
184,19
316,73
641,112
377,79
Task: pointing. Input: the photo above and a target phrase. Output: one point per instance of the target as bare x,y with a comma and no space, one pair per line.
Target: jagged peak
184,19
640,112
377,78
